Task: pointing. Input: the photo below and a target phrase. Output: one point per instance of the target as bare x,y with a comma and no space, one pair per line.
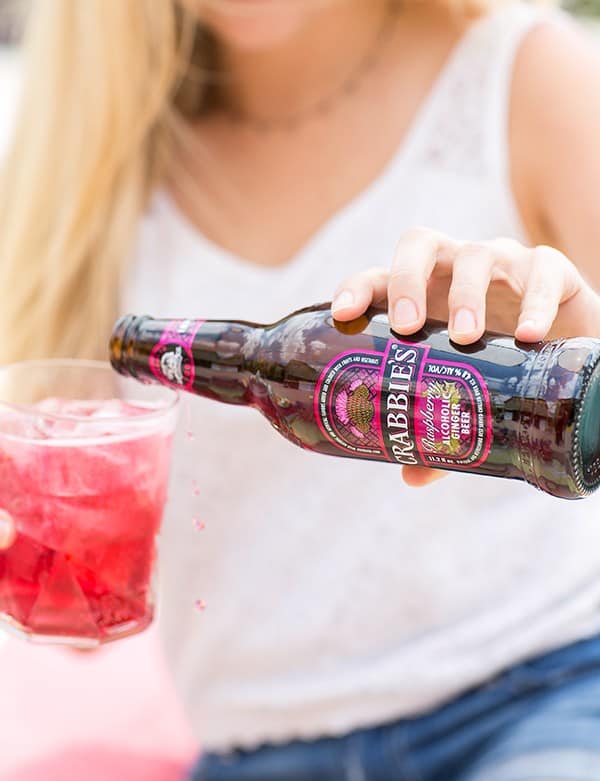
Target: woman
248,155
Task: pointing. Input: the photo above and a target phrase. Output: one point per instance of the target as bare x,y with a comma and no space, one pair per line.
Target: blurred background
10,25
66,714
9,10
70,715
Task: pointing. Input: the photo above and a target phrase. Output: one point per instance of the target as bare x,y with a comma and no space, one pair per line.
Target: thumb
418,476
8,531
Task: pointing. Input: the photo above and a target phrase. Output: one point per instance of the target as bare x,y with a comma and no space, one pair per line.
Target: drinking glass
84,466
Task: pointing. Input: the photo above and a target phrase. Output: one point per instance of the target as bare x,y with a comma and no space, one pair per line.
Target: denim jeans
538,721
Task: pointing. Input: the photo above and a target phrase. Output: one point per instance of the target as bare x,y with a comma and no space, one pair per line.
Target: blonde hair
92,131
106,83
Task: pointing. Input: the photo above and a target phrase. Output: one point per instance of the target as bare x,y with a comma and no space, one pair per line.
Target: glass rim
83,363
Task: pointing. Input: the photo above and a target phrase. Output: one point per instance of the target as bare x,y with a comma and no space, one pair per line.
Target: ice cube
92,419
62,607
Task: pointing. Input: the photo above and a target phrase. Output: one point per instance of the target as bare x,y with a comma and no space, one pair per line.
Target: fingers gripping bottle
496,407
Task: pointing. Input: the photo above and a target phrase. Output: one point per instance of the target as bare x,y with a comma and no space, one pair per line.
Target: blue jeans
538,721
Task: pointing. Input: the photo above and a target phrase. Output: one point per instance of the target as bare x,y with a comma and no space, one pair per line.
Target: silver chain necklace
324,105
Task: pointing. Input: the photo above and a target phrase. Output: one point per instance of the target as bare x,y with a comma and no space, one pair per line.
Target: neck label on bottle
406,406
171,359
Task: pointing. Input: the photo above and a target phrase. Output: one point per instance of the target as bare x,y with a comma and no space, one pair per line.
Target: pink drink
87,488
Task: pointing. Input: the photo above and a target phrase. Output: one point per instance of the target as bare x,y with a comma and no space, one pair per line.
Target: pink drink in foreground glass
86,482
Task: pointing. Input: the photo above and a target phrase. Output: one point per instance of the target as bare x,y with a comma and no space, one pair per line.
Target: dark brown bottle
497,407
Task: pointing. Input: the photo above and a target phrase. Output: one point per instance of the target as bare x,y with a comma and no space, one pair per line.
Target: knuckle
406,279
553,265
465,293
378,273
539,295
472,248
417,233
354,282
546,250
361,279
472,253
345,284
546,259
505,245
475,250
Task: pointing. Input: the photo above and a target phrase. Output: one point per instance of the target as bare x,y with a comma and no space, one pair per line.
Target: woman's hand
496,285
8,532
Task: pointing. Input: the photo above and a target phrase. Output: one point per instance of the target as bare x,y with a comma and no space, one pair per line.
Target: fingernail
464,321
343,300
7,531
405,312
528,324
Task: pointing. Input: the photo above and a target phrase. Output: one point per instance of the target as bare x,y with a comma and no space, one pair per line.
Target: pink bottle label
406,407
171,359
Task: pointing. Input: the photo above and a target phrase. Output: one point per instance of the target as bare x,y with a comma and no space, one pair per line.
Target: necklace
325,104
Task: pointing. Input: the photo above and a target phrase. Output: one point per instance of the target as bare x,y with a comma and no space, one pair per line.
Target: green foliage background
583,7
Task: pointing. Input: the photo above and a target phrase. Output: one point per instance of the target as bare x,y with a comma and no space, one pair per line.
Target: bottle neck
209,358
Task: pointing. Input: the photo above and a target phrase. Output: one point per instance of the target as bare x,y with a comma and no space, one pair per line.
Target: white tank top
336,596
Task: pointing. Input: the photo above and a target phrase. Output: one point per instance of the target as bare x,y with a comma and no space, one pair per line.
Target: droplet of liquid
190,436
195,488
198,524
200,605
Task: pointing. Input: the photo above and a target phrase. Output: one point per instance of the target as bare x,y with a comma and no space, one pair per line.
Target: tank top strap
464,125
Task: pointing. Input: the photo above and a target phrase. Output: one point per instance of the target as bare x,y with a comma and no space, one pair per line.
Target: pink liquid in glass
88,499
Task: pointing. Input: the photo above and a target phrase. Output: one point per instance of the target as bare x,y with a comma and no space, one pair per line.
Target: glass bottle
497,407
